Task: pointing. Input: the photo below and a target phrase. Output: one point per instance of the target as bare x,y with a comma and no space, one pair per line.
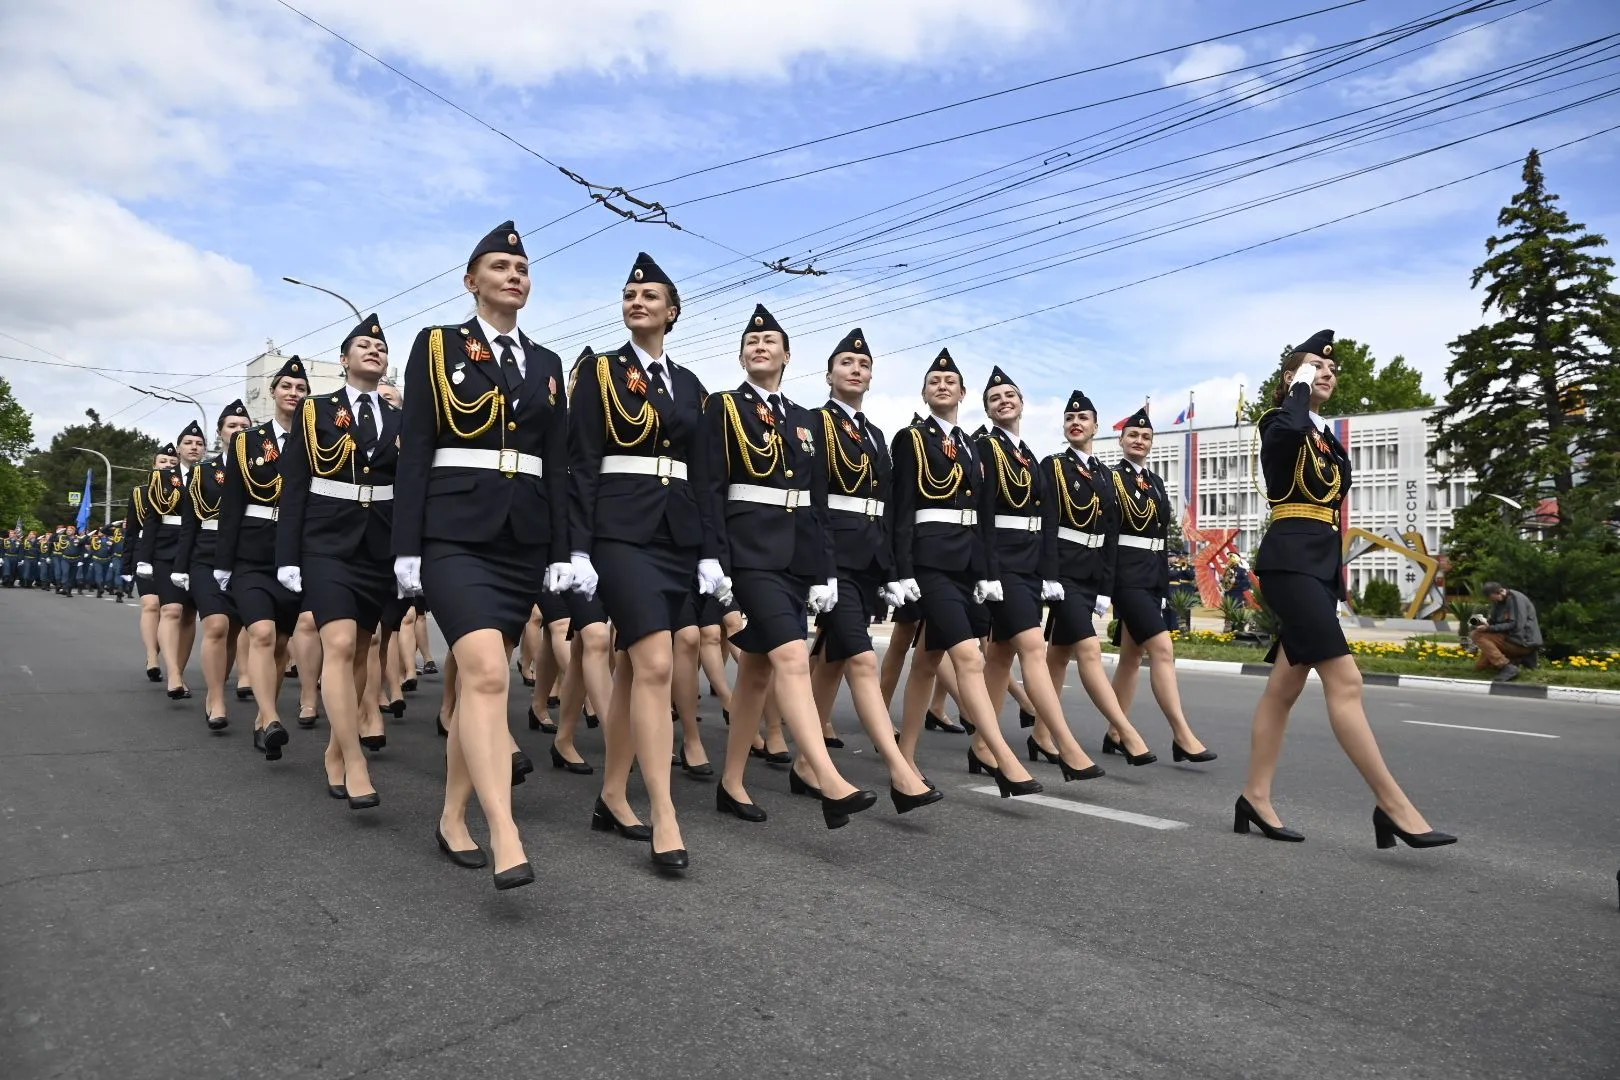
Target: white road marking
28,671
1144,820
1469,727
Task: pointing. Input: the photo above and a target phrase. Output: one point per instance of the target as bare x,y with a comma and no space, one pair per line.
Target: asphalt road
171,905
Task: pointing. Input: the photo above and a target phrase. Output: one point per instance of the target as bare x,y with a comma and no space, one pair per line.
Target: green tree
61,468
1364,387
1517,413
19,491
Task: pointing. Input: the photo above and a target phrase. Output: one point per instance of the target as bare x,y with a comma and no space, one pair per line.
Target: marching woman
1025,553
637,526
767,493
245,553
334,543
860,505
177,617
943,558
194,565
1301,574
1081,509
141,518
1142,587
480,525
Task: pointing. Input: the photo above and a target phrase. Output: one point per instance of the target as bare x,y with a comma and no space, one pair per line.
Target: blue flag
84,503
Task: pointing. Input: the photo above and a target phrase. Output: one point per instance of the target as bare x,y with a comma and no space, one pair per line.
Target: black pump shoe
408,686
472,858
1112,745
1026,719
216,723
836,812
1009,788
1037,751
178,693
1244,815
1090,772
1179,754
553,702
397,708
905,804
364,802
541,723
156,675
669,861
374,742
701,769
1385,831
603,820
242,692
724,803
798,785
438,722
934,722
522,766
834,743
975,766
582,768
336,791
511,878
274,738
307,722
592,720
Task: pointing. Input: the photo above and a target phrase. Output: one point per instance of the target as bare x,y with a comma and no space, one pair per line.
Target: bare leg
188,635
901,637
866,693
241,646
169,644
1126,670
1088,659
944,685
1166,691
712,652
747,707
216,661
306,653
344,652
424,639
1029,648
652,659
775,741
1283,688
919,687
550,661
480,738
684,688
149,627
1341,685
267,659
1020,692
589,679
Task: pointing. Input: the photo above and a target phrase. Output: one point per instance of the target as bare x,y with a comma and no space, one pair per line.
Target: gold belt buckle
509,462
365,494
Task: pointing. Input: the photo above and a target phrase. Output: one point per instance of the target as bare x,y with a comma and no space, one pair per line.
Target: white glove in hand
709,577
1306,374
143,569
894,593
823,598
222,578
1104,605
559,577
128,579
291,578
408,574
585,579
181,581
1051,590
987,592
913,590
723,593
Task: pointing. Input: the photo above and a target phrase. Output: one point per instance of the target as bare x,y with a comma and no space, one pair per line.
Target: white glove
584,574
128,580
222,578
181,581
559,577
987,592
1051,590
709,577
143,569
408,574
894,593
291,578
1104,605
1343,611
823,598
1306,374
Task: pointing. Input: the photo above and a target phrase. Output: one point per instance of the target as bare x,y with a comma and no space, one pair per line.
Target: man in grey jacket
1511,632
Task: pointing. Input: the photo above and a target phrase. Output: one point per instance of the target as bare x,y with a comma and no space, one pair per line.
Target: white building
325,377
1212,475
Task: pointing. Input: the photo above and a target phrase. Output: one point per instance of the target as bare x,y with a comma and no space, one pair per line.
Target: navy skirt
1141,611
206,595
645,588
355,589
259,597
1307,610
773,602
1070,620
484,586
1019,608
842,632
949,615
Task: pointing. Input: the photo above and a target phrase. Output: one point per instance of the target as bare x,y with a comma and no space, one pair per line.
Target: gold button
664,480
511,425
666,442
365,468
790,472
790,509
967,493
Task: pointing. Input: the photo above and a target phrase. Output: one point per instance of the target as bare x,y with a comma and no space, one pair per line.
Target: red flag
1120,426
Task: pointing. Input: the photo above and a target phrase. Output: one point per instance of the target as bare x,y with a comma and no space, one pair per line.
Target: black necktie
961,443
367,426
776,409
509,366
658,389
866,432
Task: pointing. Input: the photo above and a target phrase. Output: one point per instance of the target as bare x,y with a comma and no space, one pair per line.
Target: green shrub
1381,599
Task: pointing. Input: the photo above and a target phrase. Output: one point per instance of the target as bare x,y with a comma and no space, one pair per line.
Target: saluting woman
334,542
245,554
767,491
194,565
1301,573
481,524
638,527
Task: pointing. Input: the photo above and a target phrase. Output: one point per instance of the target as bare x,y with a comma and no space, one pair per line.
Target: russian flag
1185,415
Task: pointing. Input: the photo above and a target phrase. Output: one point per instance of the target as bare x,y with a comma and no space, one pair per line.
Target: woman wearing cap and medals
767,497
1081,510
177,617
943,558
638,527
860,484
481,525
1142,587
1026,558
1301,571
245,553
142,518
194,565
334,544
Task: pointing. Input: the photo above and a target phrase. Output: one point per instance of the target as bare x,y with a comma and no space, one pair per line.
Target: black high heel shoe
528,681
397,708
522,766
307,722
242,692
1036,752
834,743
934,722
778,757
538,724
581,768
438,722
668,861
364,802
374,742
975,766
336,791
1112,745
592,720
836,812
700,769
724,803
178,693
273,739
156,675
798,785
1026,719
553,702
1385,831
1009,788
511,878
408,686
1090,772
216,723
602,820
1244,815
472,858
1179,754
905,804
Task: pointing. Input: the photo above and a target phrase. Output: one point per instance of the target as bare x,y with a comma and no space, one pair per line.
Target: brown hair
1286,375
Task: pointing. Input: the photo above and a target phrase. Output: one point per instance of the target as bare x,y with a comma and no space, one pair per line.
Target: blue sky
165,164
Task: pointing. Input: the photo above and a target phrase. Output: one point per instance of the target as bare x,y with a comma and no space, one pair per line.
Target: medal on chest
342,419
635,380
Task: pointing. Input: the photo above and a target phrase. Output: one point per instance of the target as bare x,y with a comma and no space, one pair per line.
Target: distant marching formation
629,528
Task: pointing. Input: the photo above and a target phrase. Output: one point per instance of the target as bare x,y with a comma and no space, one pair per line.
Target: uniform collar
1321,424
851,413
764,394
647,358
277,430
490,333
353,393
1009,436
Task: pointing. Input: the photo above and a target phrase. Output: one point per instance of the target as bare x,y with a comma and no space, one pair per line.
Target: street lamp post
106,520
328,292
179,399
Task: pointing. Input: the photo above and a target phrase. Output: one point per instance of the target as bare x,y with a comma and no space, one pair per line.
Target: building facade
1212,476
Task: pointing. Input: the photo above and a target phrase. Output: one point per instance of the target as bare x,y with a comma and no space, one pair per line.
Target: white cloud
1207,62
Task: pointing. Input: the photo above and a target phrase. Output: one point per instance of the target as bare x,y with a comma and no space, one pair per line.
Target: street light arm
107,519
328,292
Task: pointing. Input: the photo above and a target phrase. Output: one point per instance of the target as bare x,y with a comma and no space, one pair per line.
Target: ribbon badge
764,413
270,451
849,429
174,481
1321,443
219,476
949,446
342,419
636,380
477,351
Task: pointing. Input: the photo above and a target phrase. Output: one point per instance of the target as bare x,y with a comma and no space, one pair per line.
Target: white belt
259,510
1146,543
211,525
633,465
364,494
509,462
785,498
1022,524
947,517
1084,539
850,504
170,519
